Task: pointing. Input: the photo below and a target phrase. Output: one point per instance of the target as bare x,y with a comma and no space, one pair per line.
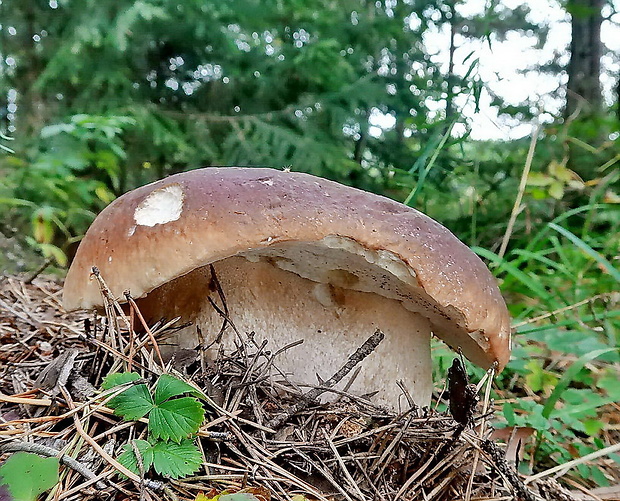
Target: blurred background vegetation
98,97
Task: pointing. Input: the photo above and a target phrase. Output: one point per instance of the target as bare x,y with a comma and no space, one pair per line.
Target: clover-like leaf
134,402
176,419
169,418
129,460
168,458
169,386
24,476
176,460
118,378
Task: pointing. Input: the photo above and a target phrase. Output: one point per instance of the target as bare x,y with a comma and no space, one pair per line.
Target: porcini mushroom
298,257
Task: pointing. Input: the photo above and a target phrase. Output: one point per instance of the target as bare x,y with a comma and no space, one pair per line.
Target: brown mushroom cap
166,229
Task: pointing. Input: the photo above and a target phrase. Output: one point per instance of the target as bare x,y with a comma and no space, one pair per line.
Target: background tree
117,94
586,48
584,110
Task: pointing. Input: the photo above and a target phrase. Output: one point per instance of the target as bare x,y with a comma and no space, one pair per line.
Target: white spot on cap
161,206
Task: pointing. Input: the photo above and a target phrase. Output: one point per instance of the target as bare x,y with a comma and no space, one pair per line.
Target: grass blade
568,377
522,277
571,323
600,259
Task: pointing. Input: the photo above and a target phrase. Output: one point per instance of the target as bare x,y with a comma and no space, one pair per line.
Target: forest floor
262,438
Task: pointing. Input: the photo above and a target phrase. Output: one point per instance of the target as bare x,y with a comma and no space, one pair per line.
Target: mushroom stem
281,307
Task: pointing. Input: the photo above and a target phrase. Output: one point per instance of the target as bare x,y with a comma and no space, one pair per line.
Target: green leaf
533,283
176,419
569,376
593,426
539,379
567,323
112,380
168,459
538,179
509,414
610,385
176,460
128,457
133,403
54,130
26,476
168,419
169,386
556,190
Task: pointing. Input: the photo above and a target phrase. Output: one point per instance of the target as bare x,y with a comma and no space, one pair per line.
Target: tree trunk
584,101
584,68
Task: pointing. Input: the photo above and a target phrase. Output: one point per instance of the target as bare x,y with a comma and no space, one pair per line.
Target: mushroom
297,257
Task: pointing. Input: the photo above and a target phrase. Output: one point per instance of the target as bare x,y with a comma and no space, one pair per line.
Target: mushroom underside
331,297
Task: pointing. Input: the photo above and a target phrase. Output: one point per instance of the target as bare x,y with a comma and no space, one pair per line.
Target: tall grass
561,279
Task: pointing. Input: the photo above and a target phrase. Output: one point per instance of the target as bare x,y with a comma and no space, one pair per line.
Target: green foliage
133,403
169,418
172,423
170,459
24,476
565,267
561,265
554,182
274,83
76,172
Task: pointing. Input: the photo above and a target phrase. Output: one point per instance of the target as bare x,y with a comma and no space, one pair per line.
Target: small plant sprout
173,421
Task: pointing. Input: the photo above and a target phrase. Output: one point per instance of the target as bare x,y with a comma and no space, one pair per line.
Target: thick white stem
281,307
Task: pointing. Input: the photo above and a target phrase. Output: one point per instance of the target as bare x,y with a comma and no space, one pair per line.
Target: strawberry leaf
24,476
176,419
176,460
128,457
116,379
134,402
168,459
169,386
